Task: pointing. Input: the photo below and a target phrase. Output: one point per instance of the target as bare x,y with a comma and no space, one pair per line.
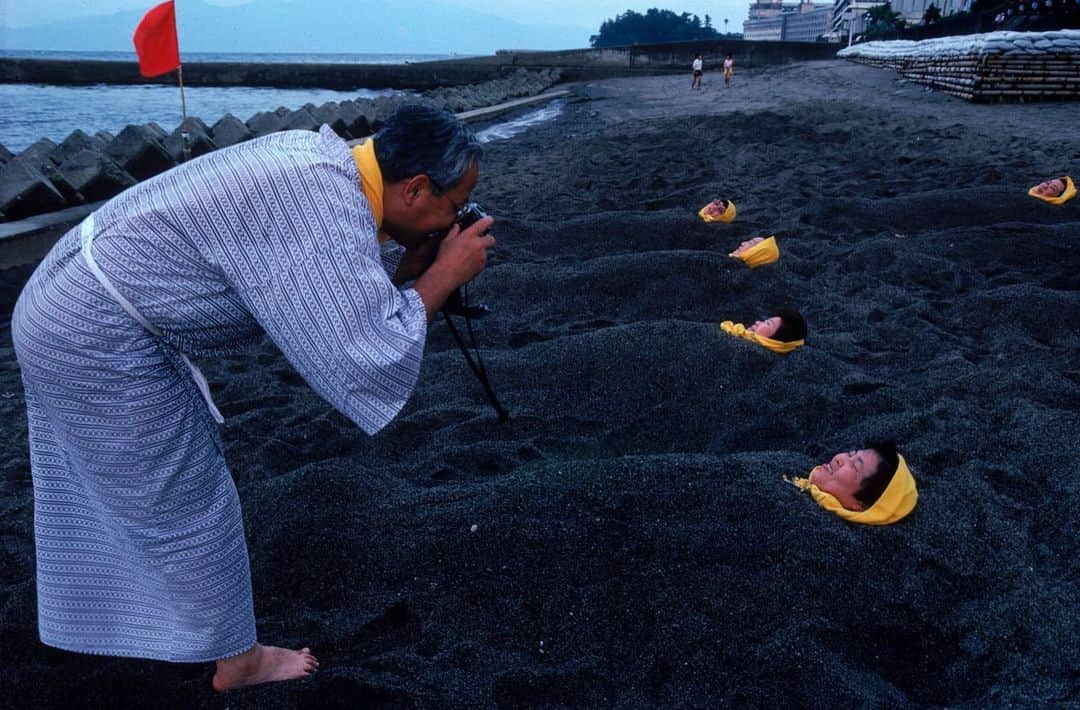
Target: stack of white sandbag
984,67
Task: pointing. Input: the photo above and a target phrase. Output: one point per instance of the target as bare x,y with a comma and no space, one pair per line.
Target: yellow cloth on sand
762,253
370,180
728,215
1065,196
894,504
777,346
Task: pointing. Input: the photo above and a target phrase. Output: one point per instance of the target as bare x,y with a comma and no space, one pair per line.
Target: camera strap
477,365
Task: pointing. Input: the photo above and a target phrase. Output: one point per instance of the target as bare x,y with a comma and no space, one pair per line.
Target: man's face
766,328
1050,188
843,476
430,211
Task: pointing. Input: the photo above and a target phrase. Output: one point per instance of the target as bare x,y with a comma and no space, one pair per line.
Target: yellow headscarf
728,215
777,346
894,504
370,178
1065,196
762,253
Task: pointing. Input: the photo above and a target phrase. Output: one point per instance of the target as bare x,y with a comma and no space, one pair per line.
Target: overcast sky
585,13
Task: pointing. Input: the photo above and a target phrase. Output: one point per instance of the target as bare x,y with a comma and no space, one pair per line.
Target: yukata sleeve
354,337
391,254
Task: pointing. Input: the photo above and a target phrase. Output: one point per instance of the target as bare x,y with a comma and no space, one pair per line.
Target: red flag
155,41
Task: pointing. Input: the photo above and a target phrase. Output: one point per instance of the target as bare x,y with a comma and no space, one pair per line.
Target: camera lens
469,215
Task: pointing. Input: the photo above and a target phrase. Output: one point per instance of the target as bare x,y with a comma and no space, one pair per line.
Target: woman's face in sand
843,476
766,328
748,244
716,208
1050,188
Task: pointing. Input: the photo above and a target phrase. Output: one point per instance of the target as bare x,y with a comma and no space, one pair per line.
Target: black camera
469,215
456,304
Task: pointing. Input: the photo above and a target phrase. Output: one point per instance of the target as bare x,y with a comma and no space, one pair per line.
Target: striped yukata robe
138,530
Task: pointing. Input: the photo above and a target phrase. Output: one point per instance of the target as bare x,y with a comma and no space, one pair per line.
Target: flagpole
157,45
185,137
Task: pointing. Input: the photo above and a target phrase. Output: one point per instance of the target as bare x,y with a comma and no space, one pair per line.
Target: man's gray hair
421,140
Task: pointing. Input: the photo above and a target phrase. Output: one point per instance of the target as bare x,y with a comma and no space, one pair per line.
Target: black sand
627,538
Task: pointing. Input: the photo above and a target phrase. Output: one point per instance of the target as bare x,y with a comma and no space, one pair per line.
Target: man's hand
461,256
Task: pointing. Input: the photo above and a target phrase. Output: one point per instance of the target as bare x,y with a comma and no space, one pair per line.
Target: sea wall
670,57
420,76
47,177
575,64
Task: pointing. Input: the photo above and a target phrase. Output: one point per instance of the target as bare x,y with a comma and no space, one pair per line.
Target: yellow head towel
894,504
1068,194
728,215
777,346
370,177
762,253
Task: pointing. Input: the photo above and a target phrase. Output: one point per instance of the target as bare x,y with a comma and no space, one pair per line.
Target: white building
848,15
913,10
762,9
810,22
769,28
801,22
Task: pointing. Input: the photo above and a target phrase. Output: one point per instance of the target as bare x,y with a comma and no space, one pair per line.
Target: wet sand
627,538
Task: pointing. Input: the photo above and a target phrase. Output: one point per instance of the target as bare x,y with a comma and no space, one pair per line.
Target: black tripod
457,305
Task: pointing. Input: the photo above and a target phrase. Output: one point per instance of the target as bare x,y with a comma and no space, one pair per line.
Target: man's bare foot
263,664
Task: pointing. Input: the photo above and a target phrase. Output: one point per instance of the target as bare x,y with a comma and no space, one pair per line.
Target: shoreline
24,242
575,64
46,177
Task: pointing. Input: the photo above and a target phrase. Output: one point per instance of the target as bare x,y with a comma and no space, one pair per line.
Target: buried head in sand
872,485
759,251
782,333
1050,188
718,211
290,250
786,325
1056,191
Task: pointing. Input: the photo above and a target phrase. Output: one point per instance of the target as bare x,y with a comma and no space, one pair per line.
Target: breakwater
85,168
574,65
421,76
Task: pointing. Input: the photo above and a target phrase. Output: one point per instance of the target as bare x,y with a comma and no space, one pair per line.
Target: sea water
29,112
509,129
32,111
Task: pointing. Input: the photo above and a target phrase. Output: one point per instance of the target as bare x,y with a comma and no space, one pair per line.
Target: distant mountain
399,26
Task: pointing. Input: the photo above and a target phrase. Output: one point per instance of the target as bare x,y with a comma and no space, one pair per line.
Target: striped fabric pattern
139,534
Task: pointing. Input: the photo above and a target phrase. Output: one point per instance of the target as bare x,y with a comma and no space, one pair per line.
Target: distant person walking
695,83
729,69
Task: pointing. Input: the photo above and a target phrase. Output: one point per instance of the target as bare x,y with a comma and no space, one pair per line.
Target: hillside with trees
654,26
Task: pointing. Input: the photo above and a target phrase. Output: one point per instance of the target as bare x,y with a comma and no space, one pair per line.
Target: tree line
654,26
